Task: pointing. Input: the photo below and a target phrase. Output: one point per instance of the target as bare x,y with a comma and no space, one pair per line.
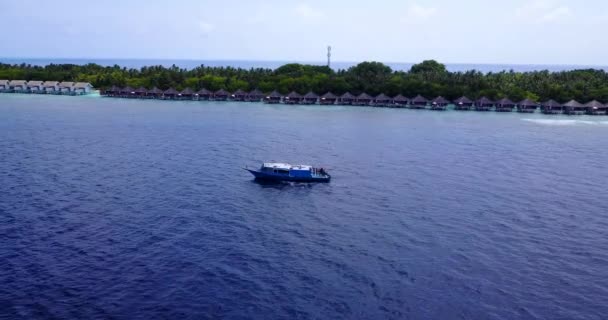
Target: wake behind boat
288,172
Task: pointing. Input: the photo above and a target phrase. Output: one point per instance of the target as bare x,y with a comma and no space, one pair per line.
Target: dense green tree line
428,78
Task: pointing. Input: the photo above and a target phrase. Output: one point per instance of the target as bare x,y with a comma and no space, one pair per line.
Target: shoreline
426,85
449,108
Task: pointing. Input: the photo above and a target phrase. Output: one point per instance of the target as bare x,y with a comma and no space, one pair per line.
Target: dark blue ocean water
140,210
190,64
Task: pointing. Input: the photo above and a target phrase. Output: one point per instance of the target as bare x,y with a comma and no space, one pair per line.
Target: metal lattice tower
329,56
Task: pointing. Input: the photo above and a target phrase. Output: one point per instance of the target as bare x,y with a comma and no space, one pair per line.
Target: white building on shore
81,88
4,87
35,86
19,86
66,87
51,87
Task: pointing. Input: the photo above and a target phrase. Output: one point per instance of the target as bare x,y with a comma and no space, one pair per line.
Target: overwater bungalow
310,98
400,101
328,99
418,102
273,98
35,86
527,106
66,87
154,93
186,94
50,87
574,107
596,108
108,92
504,105
551,107
203,94
346,99
80,88
221,95
239,95
293,98
440,104
363,99
140,93
4,87
255,96
382,100
170,94
18,86
463,104
483,104
126,92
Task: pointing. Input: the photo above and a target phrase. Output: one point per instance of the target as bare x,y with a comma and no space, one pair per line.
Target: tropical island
429,78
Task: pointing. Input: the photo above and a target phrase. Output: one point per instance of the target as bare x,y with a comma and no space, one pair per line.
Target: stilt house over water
527,106
596,108
463,103
505,105
310,98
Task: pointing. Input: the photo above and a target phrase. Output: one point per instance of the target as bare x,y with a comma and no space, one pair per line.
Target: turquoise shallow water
140,209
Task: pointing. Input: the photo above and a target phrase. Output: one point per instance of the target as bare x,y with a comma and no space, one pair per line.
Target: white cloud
205,27
556,14
543,11
418,12
306,11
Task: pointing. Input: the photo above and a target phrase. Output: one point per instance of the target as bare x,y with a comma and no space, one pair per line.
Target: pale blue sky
465,31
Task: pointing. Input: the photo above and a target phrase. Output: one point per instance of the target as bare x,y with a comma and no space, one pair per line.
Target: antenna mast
329,56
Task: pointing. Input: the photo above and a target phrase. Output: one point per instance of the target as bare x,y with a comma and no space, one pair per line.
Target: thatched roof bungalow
154,93
274,97
527,106
110,92
418,102
346,99
170,93
293,98
186,94
400,101
140,92
382,100
203,94
310,98
363,99
551,107
221,95
505,105
574,107
328,99
126,92
596,108
483,104
440,103
239,95
463,103
255,96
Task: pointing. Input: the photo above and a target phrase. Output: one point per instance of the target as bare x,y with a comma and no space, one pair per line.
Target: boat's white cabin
285,166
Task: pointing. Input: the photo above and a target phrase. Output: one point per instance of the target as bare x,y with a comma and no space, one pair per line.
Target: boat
286,172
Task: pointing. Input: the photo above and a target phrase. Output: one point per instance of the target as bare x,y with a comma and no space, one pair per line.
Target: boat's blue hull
277,177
